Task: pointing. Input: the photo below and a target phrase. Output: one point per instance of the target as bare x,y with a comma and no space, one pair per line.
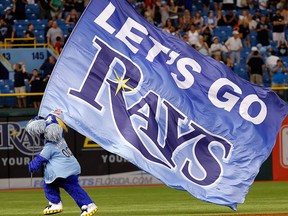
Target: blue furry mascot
61,168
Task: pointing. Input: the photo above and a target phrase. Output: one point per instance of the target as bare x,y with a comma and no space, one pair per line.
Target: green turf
263,197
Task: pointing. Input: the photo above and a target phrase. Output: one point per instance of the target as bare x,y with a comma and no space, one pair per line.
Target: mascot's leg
52,193
80,196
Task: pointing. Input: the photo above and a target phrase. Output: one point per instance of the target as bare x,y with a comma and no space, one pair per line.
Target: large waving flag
152,99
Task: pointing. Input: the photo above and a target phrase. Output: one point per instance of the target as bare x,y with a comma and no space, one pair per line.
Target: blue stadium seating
32,11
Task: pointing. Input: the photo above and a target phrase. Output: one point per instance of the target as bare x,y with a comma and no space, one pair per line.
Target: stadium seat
32,16
21,22
285,61
9,83
253,40
1,83
34,8
40,39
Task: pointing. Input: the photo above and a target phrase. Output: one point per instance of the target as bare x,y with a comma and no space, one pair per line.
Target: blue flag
149,97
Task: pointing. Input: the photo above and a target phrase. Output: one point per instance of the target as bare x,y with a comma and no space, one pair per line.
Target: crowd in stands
249,36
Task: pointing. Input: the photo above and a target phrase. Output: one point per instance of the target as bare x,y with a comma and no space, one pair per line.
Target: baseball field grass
264,198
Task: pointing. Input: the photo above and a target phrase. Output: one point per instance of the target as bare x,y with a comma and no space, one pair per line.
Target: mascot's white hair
52,127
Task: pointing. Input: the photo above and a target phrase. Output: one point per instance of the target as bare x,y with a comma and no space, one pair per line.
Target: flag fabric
151,98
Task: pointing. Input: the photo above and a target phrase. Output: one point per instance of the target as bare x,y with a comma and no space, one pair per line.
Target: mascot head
51,127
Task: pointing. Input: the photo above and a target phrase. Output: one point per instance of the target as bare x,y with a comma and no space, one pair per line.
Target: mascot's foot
88,210
53,208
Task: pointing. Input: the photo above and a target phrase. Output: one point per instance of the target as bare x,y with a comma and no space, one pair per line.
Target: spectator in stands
157,17
228,5
185,38
244,32
269,51
53,33
282,47
164,10
68,6
210,20
6,31
44,9
79,6
182,26
29,31
49,25
252,23
148,13
58,45
263,4
278,76
229,63
193,35
281,4
86,2
207,33
216,47
20,74
278,26
257,15
234,47
9,16
256,68
205,5
29,34
285,13
252,4
202,46
168,27
241,4
220,18
47,68
218,5
243,16
272,4
173,12
36,84
249,56
198,20
218,58
19,9
72,17
56,7
187,19
231,18
263,30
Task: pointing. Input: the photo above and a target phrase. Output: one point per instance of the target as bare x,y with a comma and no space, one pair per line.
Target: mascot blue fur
61,168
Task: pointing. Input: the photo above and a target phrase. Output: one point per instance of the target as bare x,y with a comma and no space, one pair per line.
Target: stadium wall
32,57
280,154
99,167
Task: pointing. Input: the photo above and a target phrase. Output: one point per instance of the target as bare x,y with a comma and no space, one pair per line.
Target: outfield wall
99,167
280,154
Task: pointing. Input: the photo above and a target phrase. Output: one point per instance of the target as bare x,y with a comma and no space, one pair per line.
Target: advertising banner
280,154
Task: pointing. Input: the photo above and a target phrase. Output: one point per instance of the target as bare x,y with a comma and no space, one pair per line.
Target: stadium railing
22,42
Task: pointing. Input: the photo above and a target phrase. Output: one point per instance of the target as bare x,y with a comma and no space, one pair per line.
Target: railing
6,62
21,94
24,43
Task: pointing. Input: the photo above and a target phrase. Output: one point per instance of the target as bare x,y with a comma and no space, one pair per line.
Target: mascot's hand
36,163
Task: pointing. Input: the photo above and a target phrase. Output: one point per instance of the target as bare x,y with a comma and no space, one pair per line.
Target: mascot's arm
36,163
